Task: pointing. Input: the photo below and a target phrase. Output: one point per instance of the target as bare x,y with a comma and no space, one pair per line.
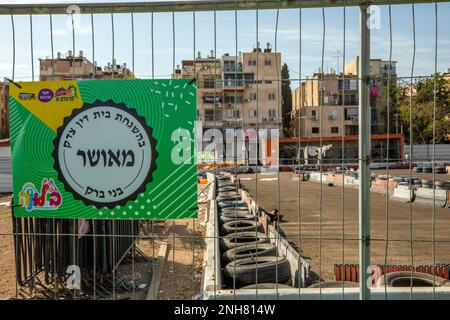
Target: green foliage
286,93
419,110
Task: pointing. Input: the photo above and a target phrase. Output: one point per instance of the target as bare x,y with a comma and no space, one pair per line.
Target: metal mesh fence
346,213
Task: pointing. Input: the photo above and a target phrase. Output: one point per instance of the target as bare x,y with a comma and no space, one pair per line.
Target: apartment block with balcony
236,91
69,66
336,96
325,109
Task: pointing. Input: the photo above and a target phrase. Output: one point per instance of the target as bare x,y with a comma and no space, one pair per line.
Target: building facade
70,67
241,91
326,106
334,98
65,67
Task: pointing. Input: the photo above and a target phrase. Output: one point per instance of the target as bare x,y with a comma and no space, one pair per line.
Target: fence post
364,154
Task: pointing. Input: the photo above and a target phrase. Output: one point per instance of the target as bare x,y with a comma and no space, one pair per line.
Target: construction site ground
323,222
181,277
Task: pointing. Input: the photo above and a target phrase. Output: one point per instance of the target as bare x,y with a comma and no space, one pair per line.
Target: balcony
232,84
212,118
353,120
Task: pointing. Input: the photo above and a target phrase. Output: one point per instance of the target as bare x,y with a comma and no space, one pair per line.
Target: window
351,113
208,83
249,78
213,115
271,96
333,115
233,99
315,130
229,66
252,113
334,130
272,113
321,85
314,114
267,62
231,113
348,84
252,63
252,96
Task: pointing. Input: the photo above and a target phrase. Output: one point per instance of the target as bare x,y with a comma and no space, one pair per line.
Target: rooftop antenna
338,56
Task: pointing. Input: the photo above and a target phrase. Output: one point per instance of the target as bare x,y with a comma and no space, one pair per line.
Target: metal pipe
364,155
200,5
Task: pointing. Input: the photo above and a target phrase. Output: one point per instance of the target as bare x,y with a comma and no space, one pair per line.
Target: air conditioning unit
355,120
264,119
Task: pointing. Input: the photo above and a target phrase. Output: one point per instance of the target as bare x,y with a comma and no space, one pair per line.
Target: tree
395,91
421,110
286,93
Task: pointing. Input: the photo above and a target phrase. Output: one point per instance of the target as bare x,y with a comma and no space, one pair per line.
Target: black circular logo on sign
105,154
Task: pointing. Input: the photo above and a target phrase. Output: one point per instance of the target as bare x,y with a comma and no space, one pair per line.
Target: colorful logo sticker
49,198
45,95
69,94
27,96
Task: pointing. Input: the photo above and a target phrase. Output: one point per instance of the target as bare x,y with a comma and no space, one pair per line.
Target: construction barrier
404,194
383,183
425,195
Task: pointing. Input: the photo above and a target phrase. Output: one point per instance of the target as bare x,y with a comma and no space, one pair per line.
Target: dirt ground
7,272
300,203
182,270
184,264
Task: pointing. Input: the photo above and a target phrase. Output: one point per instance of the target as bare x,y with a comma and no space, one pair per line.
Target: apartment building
336,97
326,107
65,67
68,66
236,91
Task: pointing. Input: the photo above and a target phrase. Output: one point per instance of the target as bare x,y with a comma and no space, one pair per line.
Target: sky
284,37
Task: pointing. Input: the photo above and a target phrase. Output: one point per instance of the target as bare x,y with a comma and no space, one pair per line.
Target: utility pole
364,155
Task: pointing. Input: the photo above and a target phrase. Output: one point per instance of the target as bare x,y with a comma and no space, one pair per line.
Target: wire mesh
312,225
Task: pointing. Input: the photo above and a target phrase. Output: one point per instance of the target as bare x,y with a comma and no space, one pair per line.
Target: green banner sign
104,149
